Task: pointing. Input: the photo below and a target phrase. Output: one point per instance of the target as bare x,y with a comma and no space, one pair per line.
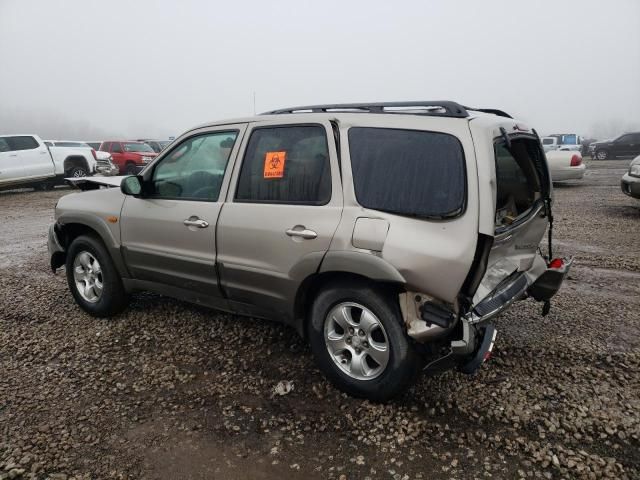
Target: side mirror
131,185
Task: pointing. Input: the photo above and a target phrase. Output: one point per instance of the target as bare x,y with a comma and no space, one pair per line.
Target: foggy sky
92,69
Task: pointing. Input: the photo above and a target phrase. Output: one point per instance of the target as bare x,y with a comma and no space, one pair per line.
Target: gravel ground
169,390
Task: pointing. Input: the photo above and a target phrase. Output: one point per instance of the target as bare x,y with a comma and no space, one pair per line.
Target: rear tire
77,172
602,154
90,268
379,364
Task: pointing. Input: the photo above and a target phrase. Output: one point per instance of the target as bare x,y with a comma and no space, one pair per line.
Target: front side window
286,165
116,147
194,170
105,146
408,172
22,143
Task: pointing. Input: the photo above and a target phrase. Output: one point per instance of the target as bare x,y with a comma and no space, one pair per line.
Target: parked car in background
156,145
388,235
130,157
104,164
26,161
624,146
630,182
565,165
568,141
550,143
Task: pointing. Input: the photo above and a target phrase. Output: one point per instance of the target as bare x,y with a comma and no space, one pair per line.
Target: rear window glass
408,172
518,178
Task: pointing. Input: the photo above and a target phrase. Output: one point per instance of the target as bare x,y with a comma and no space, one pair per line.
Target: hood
603,142
635,161
144,154
93,183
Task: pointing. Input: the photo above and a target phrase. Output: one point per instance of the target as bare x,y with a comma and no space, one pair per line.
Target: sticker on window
274,164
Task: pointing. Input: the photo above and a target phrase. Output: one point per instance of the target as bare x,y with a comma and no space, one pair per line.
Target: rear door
634,147
169,234
282,211
33,156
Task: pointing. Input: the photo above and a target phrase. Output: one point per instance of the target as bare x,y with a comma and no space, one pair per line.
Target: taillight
556,263
95,157
576,160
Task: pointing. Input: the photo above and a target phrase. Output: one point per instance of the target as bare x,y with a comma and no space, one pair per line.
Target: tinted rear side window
286,165
408,172
22,143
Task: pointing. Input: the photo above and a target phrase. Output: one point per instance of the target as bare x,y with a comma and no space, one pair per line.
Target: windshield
570,139
137,147
72,144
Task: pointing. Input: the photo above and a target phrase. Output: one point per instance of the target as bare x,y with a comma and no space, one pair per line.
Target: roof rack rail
431,108
493,111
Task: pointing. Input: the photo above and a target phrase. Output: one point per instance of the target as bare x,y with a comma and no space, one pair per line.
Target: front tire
357,338
131,169
602,154
93,279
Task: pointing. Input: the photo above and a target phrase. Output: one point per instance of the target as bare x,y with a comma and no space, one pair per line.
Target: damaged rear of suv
388,235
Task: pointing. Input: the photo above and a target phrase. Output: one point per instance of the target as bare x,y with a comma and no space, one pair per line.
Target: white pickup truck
26,161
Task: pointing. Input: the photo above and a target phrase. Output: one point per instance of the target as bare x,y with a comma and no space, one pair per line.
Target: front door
622,146
10,166
280,216
169,233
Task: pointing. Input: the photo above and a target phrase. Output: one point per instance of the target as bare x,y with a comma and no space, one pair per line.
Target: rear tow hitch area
484,351
467,353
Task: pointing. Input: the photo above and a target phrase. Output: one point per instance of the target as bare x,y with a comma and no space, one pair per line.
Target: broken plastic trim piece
483,353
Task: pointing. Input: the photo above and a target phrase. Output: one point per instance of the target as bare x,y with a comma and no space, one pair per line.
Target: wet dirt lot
169,390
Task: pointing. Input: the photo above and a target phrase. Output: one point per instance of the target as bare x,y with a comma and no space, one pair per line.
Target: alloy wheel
356,341
87,275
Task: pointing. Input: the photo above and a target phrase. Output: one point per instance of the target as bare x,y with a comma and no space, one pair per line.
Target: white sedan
565,165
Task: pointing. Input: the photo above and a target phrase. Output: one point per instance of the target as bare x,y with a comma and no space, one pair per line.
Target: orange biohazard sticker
274,164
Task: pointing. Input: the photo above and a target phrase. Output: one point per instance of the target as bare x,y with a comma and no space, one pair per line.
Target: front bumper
57,253
630,185
108,170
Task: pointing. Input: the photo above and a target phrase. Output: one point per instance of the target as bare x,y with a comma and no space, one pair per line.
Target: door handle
306,234
191,222
13,154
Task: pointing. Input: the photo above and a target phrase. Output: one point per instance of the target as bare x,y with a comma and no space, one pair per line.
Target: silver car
388,235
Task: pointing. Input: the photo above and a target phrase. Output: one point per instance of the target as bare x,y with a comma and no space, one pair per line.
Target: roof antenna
254,102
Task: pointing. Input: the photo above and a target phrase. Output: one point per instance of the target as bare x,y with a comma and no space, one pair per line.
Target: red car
129,157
